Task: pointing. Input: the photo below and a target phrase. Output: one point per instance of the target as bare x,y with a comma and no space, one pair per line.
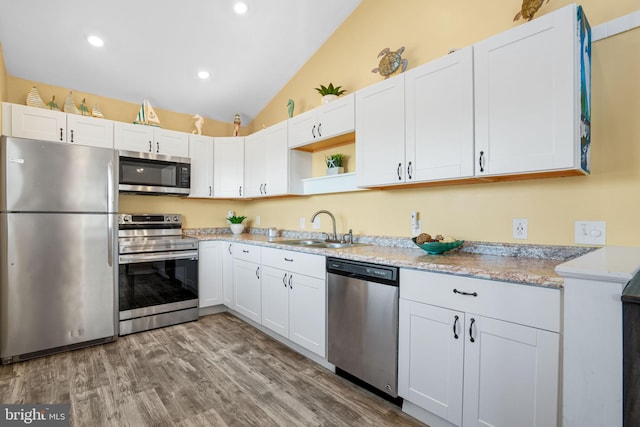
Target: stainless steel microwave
148,173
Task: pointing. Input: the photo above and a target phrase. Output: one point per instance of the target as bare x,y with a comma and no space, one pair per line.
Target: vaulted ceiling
154,49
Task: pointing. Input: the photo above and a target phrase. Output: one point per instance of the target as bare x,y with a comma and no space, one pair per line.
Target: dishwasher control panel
381,273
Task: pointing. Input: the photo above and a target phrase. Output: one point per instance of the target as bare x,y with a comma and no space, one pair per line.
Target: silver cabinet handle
229,249
284,280
265,188
290,285
258,272
288,259
157,147
319,130
409,170
481,161
245,251
71,135
240,191
399,171
61,136
210,191
455,324
150,146
313,131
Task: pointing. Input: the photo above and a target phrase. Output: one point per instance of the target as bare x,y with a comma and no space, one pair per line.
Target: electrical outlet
520,228
316,224
302,222
257,220
230,213
416,224
591,232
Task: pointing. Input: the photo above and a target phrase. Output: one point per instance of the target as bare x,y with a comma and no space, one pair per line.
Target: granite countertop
521,264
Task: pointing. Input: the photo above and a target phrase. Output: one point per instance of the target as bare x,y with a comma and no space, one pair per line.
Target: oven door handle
157,256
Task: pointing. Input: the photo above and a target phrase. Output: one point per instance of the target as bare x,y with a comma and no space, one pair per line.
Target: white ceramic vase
237,228
328,98
335,171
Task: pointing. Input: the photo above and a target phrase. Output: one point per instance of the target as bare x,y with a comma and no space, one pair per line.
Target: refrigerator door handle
110,242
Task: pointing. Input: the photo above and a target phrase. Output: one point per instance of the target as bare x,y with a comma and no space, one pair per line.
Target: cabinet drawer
527,305
246,252
295,262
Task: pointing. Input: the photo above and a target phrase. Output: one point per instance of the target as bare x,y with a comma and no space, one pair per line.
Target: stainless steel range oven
158,277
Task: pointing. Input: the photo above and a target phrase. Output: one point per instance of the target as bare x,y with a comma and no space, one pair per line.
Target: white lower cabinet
210,270
466,367
294,297
227,275
246,281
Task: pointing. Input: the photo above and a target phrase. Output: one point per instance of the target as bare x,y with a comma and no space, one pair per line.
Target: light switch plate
302,222
591,232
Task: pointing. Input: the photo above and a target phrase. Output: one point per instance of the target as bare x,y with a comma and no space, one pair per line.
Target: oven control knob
175,218
126,218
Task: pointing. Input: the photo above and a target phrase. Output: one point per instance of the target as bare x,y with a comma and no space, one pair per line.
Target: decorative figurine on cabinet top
84,110
69,105
146,115
236,125
198,124
34,99
52,104
529,8
95,112
390,62
290,105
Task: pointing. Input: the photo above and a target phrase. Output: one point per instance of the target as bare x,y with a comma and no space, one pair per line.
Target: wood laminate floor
218,371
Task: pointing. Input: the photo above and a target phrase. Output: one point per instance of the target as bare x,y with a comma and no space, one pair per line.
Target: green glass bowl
436,248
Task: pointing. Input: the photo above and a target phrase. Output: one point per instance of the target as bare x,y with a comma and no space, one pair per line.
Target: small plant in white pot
335,163
236,226
330,93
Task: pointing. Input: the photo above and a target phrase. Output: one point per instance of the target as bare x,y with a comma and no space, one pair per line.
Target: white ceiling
154,48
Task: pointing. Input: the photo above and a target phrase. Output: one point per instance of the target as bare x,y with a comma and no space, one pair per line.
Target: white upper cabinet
255,167
201,153
91,131
533,96
332,119
439,118
380,133
150,139
228,167
132,137
46,125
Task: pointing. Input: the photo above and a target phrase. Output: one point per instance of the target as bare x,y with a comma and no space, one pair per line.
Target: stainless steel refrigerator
58,247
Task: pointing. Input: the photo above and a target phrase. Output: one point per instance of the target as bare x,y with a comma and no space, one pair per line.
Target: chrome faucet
333,219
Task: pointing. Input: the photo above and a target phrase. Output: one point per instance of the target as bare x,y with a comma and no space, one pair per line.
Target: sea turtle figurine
390,62
529,8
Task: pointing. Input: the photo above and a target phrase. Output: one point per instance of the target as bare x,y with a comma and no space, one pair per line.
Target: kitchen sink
312,243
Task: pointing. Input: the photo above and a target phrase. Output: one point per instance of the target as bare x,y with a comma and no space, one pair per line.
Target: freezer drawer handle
471,294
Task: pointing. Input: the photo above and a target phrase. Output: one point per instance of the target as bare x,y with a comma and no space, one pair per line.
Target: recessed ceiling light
95,41
240,7
203,75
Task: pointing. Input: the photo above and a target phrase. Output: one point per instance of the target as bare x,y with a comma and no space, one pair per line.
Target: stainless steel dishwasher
363,322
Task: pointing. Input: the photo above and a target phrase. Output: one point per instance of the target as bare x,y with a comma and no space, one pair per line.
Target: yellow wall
483,212
3,82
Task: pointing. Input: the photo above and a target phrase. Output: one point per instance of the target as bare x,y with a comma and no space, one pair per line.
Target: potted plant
335,163
329,93
236,226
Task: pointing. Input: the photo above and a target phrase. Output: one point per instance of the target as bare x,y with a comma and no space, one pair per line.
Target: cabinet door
302,129
210,273
227,275
246,285
336,117
201,153
276,161
307,313
439,118
525,95
510,374
431,358
275,300
255,164
380,133
90,131
228,167
38,123
171,143
132,137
